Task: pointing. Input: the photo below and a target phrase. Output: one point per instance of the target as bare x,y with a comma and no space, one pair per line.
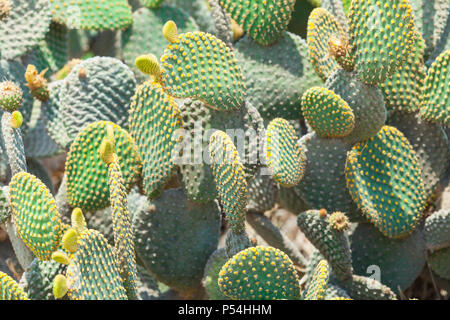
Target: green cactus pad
104,15
435,105
338,8
10,96
154,118
385,180
285,159
137,40
364,288
262,192
260,273
208,72
264,21
277,76
211,276
439,262
5,210
400,261
331,242
87,172
366,102
35,213
327,113
158,238
236,241
319,282
93,273
51,52
123,234
402,92
199,10
198,123
430,18
37,282
229,177
107,85
382,33
323,185
436,230
55,126
10,289
431,145
19,34
322,27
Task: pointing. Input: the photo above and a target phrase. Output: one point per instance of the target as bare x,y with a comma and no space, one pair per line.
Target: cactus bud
37,83
60,257
170,31
149,64
339,221
69,240
59,286
78,221
16,119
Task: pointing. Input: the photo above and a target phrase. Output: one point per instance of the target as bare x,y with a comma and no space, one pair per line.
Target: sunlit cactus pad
88,15
93,273
382,34
201,66
154,118
260,273
285,158
10,289
435,105
34,208
263,20
86,171
385,180
327,113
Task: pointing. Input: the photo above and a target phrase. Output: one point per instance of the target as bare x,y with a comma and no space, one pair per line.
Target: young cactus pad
260,273
382,33
87,172
10,289
327,113
384,179
284,156
154,118
35,213
319,282
263,20
199,65
229,177
435,105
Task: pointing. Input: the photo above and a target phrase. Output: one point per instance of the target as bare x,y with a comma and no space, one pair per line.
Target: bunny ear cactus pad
24,27
436,96
284,156
327,235
10,289
35,213
327,113
199,65
89,15
154,118
263,20
87,172
107,85
382,33
277,76
93,273
323,27
260,273
436,230
319,282
158,238
229,177
400,260
385,180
